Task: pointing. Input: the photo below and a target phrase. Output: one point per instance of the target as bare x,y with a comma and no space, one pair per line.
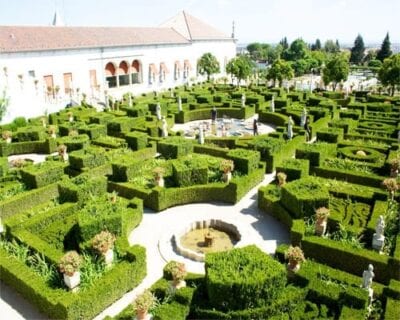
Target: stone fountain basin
211,223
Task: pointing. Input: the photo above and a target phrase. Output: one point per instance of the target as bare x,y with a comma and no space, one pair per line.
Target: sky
256,20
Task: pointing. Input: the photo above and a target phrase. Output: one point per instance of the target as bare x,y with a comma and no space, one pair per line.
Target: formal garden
66,221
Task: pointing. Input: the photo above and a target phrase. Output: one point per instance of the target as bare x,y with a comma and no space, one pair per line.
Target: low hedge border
28,200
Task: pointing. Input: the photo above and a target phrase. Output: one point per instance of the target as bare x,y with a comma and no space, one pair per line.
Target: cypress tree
385,51
357,52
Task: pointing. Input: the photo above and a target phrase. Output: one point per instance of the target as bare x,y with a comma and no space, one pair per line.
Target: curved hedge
372,155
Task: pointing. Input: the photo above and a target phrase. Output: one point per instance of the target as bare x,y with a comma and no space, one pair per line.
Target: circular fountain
201,237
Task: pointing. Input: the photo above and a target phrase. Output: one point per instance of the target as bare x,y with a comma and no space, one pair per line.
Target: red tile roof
24,38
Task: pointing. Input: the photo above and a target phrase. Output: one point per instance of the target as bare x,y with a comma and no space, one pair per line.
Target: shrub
42,174
136,140
189,171
245,160
242,278
175,147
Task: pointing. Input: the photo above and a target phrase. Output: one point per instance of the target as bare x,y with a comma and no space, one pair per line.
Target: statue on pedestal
378,239
290,128
273,104
179,104
303,117
368,275
158,111
201,134
243,100
164,127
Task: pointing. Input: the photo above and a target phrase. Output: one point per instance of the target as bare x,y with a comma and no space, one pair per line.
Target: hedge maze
119,162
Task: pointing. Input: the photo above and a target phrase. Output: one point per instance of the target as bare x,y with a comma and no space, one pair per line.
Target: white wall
29,100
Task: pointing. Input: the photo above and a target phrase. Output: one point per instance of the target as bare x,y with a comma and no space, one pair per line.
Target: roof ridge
187,24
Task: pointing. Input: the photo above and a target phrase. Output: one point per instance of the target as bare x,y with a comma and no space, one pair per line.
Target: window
152,73
163,72
68,83
177,71
31,73
186,69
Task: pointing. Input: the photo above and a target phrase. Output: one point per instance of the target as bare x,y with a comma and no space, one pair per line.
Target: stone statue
158,111
243,100
164,127
368,275
378,238
290,128
179,104
303,117
380,227
201,134
273,104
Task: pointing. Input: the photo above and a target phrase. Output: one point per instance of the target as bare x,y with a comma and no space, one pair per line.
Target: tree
336,70
385,51
389,74
317,46
208,64
298,50
357,52
280,70
374,63
240,67
331,47
284,43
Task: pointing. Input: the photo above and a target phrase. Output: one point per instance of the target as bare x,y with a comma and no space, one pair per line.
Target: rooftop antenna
233,29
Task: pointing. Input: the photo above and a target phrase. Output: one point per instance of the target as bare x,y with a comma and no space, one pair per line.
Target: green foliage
242,278
175,147
389,74
136,140
208,65
302,197
279,71
240,67
385,51
190,171
336,70
245,160
89,157
357,51
42,174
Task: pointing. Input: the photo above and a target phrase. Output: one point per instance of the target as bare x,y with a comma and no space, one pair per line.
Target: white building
43,68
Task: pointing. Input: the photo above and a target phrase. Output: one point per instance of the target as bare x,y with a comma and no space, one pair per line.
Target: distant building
43,68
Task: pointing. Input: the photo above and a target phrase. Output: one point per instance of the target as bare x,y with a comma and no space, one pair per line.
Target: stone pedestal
378,242
109,257
73,281
227,176
320,228
159,182
176,285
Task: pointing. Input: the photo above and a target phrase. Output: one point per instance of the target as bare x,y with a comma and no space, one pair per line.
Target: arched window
123,74
186,69
177,71
163,72
152,73
136,72
111,77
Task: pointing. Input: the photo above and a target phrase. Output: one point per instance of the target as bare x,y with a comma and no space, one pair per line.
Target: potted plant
391,186
113,197
70,116
7,136
143,303
103,243
227,167
281,176
62,152
52,132
158,176
295,256
394,167
69,266
321,216
178,273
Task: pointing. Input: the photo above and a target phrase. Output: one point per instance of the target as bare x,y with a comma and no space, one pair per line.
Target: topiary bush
243,278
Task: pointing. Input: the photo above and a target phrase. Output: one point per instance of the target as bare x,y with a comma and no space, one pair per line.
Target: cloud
223,3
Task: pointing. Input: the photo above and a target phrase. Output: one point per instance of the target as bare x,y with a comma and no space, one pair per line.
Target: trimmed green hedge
173,148
28,200
189,172
242,278
294,168
302,197
245,161
136,140
89,157
85,304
